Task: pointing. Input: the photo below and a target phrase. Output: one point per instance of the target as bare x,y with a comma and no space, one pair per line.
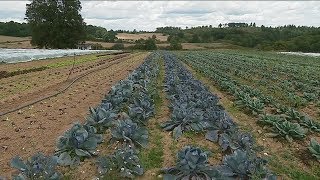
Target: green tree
55,23
110,36
195,38
150,44
175,44
118,46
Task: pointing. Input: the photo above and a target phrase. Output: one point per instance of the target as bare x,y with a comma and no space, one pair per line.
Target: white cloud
147,15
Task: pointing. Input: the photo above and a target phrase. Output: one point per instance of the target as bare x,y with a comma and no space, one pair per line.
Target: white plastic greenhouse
23,55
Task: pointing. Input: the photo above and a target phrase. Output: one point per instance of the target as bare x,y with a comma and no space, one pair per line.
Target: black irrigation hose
59,92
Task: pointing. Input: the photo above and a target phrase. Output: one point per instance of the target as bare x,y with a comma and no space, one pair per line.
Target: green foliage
260,83
141,109
97,46
78,142
37,167
254,105
129,132
101,118
175,44
192,163
184,120
152,157
148,44
124,160
287,38
288,130
296,101
241,165
270,119
55,24
314,148
118,46
14,29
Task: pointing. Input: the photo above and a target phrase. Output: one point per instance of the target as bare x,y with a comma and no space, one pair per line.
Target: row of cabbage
295,83
195,108
123,112
283,121
295,77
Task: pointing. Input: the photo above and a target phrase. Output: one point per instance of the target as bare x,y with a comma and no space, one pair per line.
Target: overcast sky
147,15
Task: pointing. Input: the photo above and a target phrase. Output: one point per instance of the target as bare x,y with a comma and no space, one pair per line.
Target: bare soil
17,87
133,37
15,42
13,39
37,127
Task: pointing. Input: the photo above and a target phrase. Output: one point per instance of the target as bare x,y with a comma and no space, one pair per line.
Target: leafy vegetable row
124,112
283,121
195,108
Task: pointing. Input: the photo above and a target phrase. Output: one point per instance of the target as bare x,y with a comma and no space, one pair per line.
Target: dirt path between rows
37,127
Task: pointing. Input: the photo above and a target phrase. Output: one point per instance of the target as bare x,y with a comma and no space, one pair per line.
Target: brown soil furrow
168,156
24,98
37,127
15,86
168,142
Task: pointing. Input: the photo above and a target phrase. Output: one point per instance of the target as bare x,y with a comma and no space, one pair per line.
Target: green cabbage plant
242,165
101,118
124,160
192,163
314,148
77,143
288,130
38,166
129,132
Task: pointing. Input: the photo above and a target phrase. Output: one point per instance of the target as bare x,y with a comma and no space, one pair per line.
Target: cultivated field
229,114
133,37
36,128
13,39
15,42
268,95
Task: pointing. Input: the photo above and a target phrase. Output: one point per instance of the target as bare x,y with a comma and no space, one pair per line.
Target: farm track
25,98
37,127
284,158
157,134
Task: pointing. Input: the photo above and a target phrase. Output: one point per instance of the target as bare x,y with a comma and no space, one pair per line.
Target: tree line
14,29
59,24
287,38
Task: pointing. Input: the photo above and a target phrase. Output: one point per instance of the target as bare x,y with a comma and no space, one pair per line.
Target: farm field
133,37
4,39
15,42
36,128
227,113
269,95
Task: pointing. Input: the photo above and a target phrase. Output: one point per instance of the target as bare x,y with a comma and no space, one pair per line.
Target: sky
148,15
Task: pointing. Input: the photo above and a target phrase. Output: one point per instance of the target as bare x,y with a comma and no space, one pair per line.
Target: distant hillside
14,29
287,38
283,38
